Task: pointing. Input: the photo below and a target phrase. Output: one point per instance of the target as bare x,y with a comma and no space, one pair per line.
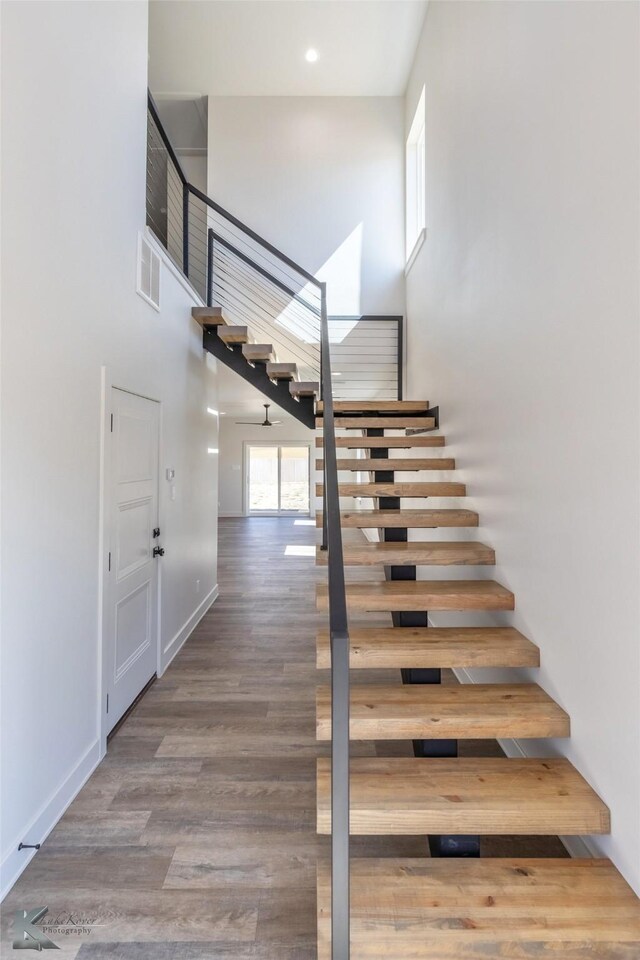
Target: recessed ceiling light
311,55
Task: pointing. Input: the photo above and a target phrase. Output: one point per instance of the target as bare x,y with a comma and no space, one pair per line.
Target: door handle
158,551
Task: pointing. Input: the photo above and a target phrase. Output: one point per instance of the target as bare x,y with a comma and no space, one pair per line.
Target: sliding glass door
277,479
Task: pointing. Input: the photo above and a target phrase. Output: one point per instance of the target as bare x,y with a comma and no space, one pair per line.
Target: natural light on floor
304,523
293,550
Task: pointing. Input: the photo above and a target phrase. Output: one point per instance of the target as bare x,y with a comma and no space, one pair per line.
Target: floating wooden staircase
257,363
448,905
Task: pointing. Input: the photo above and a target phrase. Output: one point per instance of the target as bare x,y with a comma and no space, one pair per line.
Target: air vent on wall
148,273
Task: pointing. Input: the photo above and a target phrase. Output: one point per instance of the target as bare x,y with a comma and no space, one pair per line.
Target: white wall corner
174,646
15,861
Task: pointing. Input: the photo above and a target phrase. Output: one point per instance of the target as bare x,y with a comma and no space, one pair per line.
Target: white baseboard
39,828
579,847
174,646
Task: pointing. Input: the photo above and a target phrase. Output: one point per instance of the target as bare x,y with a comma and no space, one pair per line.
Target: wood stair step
209,316
400,648
399,519
385,463
391,443
485,909
234,334
384,423
466,711
401,595
398,489
258,351
304,388
282,371
376,406
431,552
470,795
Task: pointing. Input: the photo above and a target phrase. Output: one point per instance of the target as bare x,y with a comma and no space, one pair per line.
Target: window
277,479
415,184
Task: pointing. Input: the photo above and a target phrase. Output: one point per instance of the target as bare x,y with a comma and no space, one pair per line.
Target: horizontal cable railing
258,286
366,355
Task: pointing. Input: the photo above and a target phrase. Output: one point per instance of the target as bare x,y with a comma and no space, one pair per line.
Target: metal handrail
331,542
339,637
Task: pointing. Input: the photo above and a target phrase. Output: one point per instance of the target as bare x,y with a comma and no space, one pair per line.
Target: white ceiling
257,47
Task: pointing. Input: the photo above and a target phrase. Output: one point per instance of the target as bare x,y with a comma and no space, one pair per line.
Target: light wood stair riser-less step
485,909
209,316
401,464
376,406
431,711
234,335
380,423
398,489
472,795
405,519
398,648
403,595
386,443
438,553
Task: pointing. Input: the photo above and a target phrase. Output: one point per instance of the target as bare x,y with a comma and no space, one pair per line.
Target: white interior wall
73,189
322,179
232,439
523,324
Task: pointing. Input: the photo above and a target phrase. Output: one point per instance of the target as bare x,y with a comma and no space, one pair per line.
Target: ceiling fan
265,423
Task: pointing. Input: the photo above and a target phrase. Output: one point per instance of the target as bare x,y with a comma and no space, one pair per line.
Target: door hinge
109,559
107,703
111,423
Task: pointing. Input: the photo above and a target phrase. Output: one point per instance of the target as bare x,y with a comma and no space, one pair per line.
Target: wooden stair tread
384,423
391,443
258,351
432,552
432,647
399,595
485,909
234,334
376,406
470,795
419,489
384,463
209,316
405,518
466,711
304,388
282,371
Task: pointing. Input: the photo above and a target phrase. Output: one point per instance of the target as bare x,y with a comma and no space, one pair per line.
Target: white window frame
415,214
248,512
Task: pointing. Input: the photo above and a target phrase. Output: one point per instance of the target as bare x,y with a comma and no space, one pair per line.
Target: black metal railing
228,263
367,356
232,266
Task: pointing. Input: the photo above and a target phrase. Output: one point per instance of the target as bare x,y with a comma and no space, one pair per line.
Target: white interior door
132,596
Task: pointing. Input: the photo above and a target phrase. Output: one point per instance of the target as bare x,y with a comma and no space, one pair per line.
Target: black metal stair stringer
256,374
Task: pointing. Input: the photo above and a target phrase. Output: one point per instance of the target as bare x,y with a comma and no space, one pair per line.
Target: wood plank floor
195,838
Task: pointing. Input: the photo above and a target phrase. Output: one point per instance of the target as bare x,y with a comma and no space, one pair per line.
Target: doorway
277,479
131,616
